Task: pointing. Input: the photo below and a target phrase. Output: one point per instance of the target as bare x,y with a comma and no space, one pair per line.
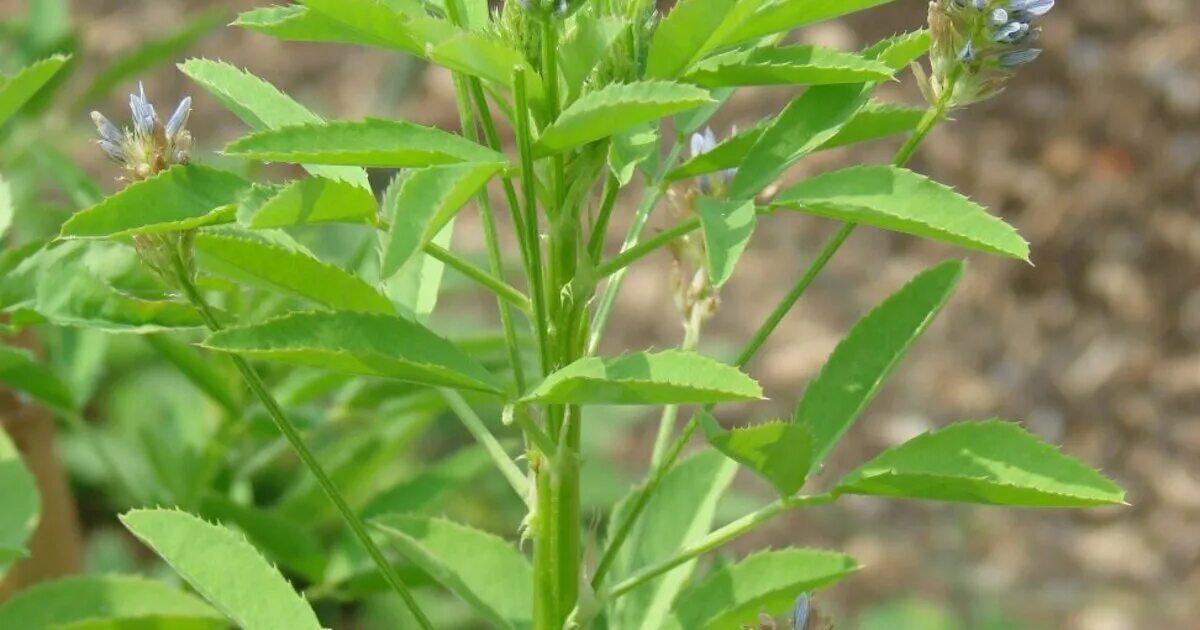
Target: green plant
594,93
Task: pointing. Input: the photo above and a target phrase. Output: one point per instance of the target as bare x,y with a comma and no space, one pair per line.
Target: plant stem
645,248
289,431
529,188
715,540
478,430
600,227
502,289
670,413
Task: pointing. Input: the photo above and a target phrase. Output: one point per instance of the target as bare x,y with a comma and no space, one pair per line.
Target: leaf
372,142
734,595
224,569
874,121
787,65
359,343
486,571
398,25
584,48
313,200
78,602
149,54
616,108
280,539
785,15
989,462
728,226
417,285
180,198
801,128
692,30
6,208
898,51
424,204
679,514
779,452
22,506
482,55
645,378
900,200
426,489
294,272
262,106
19,371
864,359
18,89
630,149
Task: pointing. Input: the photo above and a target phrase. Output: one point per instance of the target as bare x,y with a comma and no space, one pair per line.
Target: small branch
478,430
502,289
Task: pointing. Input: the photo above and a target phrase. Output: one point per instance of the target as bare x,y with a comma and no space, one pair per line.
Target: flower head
978,44
150,145
715,183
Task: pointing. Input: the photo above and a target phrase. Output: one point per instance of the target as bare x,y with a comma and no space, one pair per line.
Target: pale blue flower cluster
1008,23
150,146
701,143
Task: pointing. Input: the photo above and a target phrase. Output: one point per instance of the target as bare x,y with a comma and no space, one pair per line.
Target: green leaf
148,55
768,581
630,149
788,65
280,539
417,285
482,55
179,198
864,359
424,204
18,89
616,108
19,371
900,200
79,602
728,226
428,488
372,142
6,208
874,121
692,30
780,452
784,15
224,569
486,571
262,106
200,370
679,514
22,505
359,343
394,24
306,201
645,378
802,127
990,462
584,48
899,51
291,271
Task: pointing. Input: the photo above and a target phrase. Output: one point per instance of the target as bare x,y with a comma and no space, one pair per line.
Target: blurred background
1093,153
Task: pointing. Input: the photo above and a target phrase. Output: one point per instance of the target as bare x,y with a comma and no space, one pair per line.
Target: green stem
529,188
716,540
670,413
289,431
502,289
478,430
645,248
608,200
545,595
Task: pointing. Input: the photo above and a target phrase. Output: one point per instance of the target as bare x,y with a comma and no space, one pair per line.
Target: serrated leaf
486,571
900,200
307,201
770,581
990,462
373,345
426,489
484,56
417,285
22,505
425,203
372,142
584,48
282,540
784,15
78,602
679,514
398,25
263,106
727,226
864,359
224,568
616,108
898,51
692,30
20,372
630,149
779,452
787,65
18,89
802,127
295,272
645,378
180,198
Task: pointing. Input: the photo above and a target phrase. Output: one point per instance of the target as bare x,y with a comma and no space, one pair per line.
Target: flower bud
712,184
148,146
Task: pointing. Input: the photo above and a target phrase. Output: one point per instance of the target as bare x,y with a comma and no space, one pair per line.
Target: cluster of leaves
284,274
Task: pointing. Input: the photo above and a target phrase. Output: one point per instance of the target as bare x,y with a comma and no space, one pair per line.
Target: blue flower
703,143
149,146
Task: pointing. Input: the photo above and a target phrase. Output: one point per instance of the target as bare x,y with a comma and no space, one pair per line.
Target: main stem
289,431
